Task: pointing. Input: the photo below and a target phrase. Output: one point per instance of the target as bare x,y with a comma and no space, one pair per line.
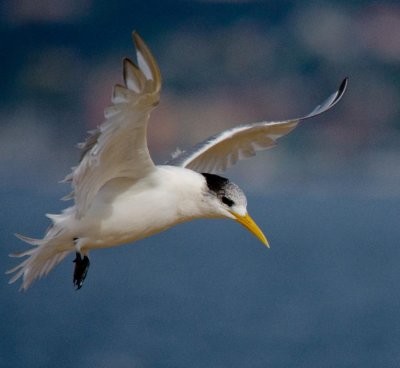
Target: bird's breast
127,210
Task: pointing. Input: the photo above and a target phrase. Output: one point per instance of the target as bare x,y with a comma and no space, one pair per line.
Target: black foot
81,270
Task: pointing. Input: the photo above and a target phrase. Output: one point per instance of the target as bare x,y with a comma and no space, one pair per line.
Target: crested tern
121,196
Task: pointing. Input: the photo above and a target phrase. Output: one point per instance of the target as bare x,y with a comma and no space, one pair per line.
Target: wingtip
341,90
140,45
343,86
137,39
148,63
330,101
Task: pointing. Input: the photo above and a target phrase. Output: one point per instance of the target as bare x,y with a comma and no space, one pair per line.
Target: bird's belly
128,217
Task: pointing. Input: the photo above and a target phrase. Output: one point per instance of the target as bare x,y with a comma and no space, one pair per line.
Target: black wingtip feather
329,102
342,89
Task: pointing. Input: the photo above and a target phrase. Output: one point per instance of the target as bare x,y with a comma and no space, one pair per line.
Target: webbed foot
81,270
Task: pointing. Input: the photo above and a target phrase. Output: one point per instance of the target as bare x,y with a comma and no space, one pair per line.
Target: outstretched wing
118,148
224,149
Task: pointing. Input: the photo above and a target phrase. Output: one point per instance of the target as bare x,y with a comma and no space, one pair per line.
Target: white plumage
121,196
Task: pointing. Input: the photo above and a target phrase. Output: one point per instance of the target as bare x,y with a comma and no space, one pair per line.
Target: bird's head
230,201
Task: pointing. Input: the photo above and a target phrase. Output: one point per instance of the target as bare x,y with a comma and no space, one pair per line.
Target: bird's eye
227,201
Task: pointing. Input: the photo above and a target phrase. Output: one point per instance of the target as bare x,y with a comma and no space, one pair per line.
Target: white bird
121,196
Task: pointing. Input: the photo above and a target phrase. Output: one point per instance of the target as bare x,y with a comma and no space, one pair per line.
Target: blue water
208,294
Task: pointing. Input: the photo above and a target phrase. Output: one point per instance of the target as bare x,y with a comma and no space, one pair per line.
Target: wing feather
118,148
224,149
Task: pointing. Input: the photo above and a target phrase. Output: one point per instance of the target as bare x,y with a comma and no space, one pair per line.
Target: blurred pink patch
379,30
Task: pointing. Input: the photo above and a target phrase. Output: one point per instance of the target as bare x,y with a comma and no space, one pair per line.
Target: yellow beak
250,225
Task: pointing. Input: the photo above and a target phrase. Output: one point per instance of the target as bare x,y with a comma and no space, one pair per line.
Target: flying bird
121,196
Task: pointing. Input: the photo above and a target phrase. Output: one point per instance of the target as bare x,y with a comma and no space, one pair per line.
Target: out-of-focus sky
223,63
328,194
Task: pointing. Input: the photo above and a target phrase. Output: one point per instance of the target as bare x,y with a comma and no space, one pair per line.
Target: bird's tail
42,258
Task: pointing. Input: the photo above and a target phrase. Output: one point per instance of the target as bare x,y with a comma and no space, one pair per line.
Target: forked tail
46,254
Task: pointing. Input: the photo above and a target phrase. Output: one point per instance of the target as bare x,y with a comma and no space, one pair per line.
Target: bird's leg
81,268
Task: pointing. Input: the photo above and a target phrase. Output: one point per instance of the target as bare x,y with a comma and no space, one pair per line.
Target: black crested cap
227,192
215,183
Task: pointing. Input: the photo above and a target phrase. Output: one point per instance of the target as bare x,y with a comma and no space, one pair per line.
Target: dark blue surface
207,293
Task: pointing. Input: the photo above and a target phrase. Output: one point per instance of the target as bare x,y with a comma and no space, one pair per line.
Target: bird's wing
118,147
224,149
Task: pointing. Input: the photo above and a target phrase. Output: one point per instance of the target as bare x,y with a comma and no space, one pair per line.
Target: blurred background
328,196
